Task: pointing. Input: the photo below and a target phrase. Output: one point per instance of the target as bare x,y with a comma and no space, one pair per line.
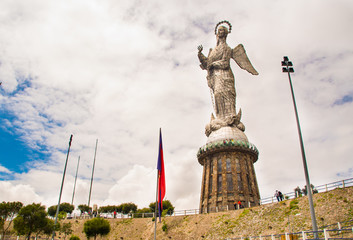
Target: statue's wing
240,57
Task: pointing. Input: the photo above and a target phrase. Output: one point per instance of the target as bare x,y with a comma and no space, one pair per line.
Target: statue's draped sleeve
203,60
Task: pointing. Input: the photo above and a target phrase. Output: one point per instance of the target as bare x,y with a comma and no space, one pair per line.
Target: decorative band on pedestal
227,144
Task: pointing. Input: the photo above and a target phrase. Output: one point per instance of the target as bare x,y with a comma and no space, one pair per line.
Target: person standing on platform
277,196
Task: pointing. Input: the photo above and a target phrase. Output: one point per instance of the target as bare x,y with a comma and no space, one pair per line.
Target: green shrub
164,227
293,204
74,237
244,213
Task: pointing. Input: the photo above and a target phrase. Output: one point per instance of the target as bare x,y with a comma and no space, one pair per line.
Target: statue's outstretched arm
240,57
202,58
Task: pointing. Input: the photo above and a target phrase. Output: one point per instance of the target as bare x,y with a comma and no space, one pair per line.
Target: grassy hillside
290,215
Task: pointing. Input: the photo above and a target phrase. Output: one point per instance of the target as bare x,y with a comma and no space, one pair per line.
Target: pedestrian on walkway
280,195
277,196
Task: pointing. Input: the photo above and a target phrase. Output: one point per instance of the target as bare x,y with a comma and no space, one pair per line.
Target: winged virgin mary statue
220,79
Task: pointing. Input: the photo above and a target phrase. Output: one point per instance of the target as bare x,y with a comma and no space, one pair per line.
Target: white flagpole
73,192
94,163
155,211
61,189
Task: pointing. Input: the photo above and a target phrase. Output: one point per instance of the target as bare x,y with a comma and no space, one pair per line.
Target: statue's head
222,29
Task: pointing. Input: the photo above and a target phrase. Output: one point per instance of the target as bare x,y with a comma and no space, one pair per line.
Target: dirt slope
294,215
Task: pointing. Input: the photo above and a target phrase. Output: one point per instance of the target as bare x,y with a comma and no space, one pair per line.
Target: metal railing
263,201
320,188
340,232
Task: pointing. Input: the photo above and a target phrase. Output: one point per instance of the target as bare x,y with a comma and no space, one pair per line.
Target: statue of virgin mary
220,79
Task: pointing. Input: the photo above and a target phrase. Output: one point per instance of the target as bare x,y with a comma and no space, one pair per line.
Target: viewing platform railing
268,200
320,188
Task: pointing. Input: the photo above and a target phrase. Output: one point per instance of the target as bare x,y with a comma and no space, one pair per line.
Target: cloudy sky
117,71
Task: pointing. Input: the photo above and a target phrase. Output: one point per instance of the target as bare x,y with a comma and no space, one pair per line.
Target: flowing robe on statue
220,79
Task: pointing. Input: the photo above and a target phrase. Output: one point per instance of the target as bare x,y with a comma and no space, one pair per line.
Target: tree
119,208
52,211
140,212
8,210
96,226
84,208
122,208
108,209
48,228
168,208
62,215
31,219
66,229
144,210
64,207
128,207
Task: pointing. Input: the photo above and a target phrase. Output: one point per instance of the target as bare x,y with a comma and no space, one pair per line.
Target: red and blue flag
161,176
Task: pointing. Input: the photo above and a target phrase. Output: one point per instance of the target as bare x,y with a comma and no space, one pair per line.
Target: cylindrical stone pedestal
228,171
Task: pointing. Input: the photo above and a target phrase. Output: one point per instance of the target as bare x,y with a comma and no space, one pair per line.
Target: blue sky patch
343,100
14,153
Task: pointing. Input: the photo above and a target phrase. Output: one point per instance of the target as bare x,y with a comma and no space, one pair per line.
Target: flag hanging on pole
161,176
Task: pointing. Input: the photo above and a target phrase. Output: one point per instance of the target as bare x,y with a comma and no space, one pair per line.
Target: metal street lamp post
287,67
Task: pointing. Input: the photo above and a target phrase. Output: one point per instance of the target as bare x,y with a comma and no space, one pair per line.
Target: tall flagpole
156,206
94,162
158,186
73,193
61,189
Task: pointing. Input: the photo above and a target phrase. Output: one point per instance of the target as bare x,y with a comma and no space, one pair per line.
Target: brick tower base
228,171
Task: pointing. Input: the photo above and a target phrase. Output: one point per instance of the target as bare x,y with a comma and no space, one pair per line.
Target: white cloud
4,170
137,186
20,192
118,71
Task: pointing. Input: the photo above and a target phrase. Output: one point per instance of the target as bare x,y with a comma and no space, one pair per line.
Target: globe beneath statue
227,133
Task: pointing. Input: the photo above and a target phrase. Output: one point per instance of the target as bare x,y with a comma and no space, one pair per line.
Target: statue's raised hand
200,48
